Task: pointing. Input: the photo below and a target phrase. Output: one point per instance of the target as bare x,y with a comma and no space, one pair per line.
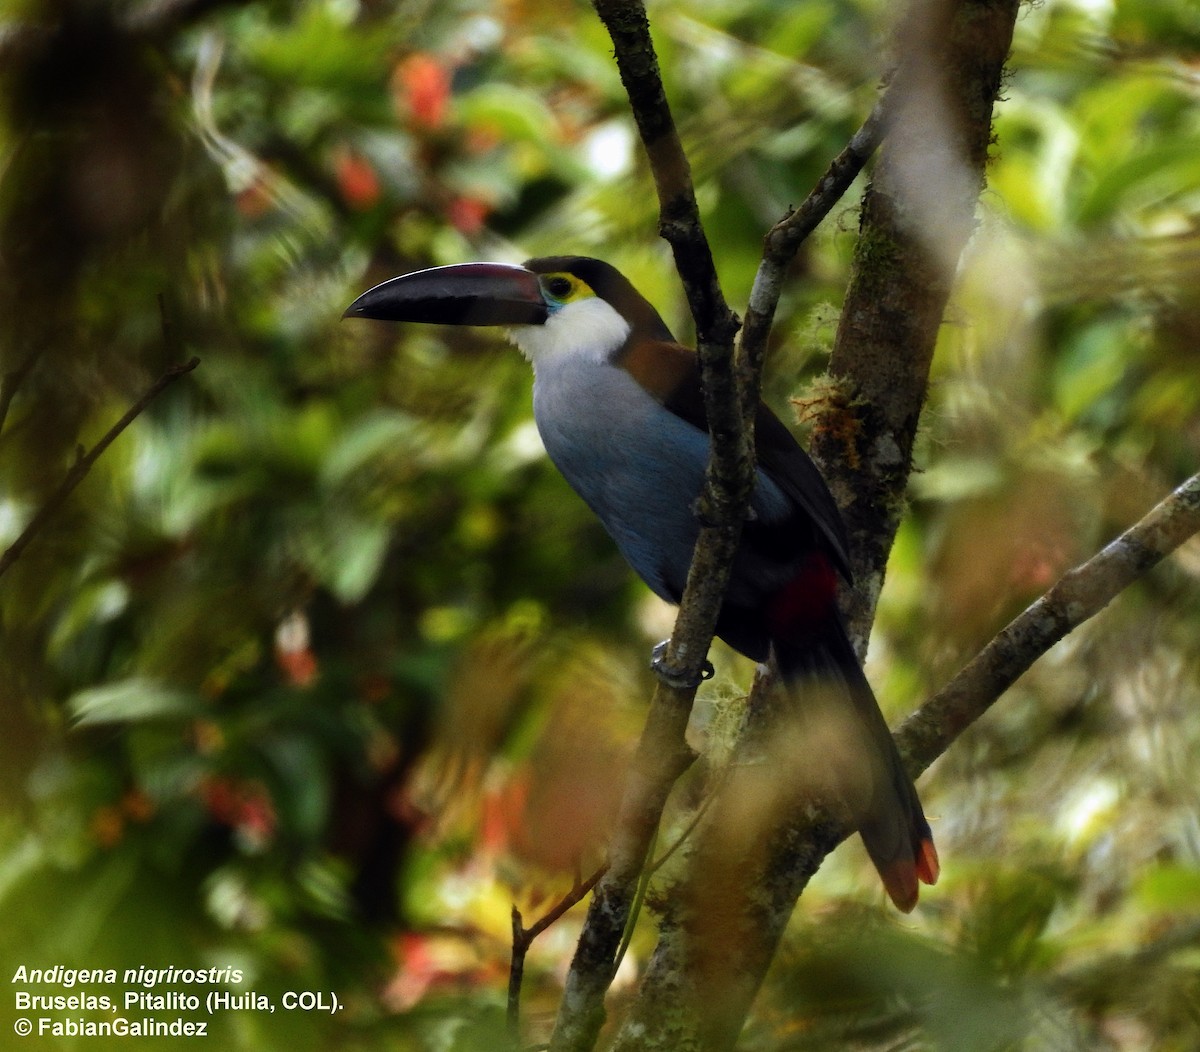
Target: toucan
620,409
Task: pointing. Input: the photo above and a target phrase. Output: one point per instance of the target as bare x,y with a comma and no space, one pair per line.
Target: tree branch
1079,595
730,476
783,241
84,461
679,215
663,754
661,757
522,939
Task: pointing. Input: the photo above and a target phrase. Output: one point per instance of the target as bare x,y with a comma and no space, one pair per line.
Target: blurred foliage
323,667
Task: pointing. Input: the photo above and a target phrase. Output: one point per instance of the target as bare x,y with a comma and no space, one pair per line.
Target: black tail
857,759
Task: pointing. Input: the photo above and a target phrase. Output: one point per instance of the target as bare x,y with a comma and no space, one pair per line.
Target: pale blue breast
637,465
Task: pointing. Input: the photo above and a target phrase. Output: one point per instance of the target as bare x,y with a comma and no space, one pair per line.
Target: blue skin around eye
553,303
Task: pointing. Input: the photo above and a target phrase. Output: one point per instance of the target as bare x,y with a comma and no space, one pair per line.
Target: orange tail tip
928,866
900,879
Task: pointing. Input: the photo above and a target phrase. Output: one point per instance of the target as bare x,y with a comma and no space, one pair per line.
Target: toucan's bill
461,294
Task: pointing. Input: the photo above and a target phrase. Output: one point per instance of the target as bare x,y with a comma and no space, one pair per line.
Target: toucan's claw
706,521
673,678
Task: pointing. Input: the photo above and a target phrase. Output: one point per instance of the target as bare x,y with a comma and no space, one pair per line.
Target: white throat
589,329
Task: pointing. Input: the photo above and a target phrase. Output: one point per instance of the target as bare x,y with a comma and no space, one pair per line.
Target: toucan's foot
708,522
672,678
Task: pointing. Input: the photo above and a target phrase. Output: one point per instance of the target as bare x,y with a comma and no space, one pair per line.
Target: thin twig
679,214
783,241
84,461
653,865
565,903
658,863
522,939
635,907
730,473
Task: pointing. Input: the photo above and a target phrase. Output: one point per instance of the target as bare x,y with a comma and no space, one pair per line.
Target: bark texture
917,215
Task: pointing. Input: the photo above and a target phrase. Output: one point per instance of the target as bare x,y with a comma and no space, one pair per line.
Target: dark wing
671,373
780,456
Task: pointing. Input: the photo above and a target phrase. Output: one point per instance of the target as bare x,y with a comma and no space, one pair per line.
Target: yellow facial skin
561,288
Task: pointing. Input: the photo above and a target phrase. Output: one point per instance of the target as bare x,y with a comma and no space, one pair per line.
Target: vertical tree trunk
917,215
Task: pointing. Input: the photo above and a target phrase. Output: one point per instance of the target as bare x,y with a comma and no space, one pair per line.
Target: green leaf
1170,888
130,701
509,112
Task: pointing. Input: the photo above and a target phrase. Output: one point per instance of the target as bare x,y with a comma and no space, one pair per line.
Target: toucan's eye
558,287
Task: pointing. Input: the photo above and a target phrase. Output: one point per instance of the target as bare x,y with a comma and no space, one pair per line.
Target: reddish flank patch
806,602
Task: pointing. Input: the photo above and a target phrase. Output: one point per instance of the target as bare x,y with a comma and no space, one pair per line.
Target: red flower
468,214
421,84
356,179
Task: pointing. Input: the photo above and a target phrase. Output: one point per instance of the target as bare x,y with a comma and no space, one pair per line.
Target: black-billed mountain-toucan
620,409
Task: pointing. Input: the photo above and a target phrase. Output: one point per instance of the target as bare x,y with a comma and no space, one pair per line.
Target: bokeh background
323,667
